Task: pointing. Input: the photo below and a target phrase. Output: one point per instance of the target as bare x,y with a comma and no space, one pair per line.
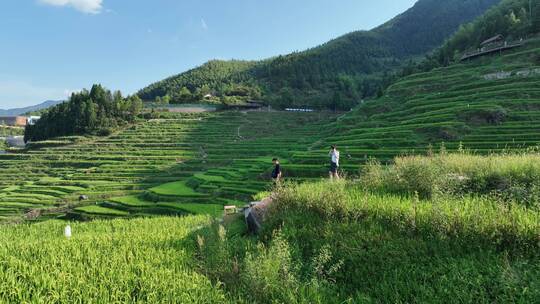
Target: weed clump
506,178
271,272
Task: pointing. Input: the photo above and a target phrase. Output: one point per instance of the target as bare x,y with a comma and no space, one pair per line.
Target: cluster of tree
88,112
242,92
216,78
336,75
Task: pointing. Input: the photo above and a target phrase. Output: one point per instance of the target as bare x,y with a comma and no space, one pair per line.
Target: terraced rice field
187,163
461,104
196,163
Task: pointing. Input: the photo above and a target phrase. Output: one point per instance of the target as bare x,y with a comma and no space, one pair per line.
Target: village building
255,104
32,120
248,105
13,121
495,44
299,110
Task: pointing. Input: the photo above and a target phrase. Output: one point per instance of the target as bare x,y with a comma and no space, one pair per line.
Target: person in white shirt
334,162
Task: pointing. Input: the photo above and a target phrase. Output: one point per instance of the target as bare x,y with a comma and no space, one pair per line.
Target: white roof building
32,120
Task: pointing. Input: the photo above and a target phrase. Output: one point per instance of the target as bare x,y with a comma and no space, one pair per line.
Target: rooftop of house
492,39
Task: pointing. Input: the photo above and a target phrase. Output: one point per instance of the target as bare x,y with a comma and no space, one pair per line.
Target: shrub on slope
514,177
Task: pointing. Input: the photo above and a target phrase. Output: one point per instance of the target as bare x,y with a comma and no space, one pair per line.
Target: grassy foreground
329,244
351,241
345,242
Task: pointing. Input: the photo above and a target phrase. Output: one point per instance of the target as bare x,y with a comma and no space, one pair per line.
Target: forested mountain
337,74
89,112
19,111
229,78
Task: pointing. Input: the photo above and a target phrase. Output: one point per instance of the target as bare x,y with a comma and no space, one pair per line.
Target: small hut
493,41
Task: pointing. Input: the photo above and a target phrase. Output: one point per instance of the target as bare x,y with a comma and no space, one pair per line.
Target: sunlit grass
127,261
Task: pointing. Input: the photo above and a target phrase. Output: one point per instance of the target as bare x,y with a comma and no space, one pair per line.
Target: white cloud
85,6
203,24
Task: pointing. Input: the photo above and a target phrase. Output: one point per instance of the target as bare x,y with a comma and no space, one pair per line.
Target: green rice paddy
175,189
180,164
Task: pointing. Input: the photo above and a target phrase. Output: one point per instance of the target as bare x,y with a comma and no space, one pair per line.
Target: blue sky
52,47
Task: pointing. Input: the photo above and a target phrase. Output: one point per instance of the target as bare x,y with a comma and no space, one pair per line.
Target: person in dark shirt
276,173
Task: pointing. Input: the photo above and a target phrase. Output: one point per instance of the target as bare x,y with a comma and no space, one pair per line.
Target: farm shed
493,40
495,44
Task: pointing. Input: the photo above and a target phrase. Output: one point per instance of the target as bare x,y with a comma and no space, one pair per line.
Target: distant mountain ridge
38,107
337,74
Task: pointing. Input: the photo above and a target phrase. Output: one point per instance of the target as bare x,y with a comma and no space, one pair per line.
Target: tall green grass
467,219
506,177
336,242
